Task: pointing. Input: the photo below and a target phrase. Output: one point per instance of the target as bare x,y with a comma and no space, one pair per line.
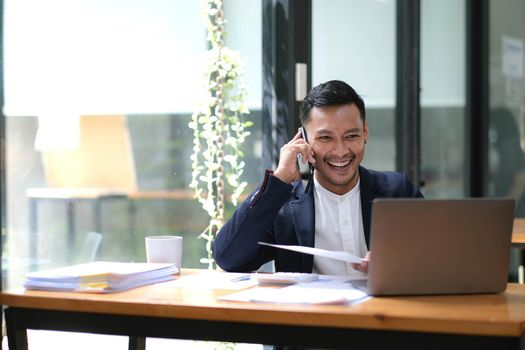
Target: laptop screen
438,246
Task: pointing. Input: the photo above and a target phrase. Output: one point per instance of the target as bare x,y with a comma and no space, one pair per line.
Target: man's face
337,136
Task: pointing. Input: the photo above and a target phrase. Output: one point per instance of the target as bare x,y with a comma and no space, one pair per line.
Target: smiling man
332,213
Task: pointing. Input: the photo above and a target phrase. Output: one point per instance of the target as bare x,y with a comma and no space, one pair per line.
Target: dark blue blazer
282,213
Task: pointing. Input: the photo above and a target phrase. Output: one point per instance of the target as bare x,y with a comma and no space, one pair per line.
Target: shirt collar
323,192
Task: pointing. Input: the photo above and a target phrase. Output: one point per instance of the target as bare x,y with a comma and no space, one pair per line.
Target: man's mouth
339,164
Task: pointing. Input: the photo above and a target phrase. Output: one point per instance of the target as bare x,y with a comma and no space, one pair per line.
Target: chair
88,249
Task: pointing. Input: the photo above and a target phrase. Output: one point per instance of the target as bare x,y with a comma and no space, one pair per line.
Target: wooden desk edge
312,315
518,239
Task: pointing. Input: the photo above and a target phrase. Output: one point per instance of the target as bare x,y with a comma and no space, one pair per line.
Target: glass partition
443,88
507,102
355,41
506,158
98,97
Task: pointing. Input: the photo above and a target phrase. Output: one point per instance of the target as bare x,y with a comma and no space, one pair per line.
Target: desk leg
16,338
137,343
97,215
97,219
132,227
33,231
70,227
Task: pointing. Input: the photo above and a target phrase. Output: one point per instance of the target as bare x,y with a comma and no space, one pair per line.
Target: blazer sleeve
235,247
411,190
387,184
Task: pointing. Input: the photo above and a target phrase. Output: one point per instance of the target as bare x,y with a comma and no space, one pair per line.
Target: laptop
438,246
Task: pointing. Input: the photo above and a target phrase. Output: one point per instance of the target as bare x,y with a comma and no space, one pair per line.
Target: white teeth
339,164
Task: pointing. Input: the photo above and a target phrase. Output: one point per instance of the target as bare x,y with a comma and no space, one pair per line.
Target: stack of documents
284,278
100,277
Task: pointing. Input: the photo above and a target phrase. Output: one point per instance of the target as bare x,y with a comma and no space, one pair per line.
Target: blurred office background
442,80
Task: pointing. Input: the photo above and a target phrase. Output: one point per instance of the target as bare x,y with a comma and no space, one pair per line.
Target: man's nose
340,148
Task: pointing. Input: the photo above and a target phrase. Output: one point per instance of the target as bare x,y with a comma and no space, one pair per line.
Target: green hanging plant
219,128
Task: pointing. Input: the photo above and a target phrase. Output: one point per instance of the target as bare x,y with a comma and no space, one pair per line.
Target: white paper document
100,277
213,280
326,290
285,278
343,256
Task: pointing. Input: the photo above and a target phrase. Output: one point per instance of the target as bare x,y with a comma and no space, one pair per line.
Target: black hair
331,93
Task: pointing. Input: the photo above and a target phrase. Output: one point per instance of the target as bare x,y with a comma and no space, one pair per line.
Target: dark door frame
408,111
477,104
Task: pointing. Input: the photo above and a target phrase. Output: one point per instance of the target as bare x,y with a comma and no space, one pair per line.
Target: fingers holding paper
363,266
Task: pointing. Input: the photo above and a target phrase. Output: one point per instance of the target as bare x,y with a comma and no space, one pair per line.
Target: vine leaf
219,128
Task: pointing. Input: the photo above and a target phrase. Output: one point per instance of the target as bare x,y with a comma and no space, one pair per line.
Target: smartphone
305,168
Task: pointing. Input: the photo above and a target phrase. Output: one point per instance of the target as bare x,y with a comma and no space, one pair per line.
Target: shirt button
345,222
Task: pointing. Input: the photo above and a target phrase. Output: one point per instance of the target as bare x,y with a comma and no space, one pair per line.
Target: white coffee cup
164,249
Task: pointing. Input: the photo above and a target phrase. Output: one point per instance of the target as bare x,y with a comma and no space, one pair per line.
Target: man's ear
365,131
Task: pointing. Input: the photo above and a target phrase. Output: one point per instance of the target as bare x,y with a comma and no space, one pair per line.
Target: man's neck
339,193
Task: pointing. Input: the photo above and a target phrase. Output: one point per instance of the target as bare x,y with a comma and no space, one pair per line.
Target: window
95,85
355,41
443,75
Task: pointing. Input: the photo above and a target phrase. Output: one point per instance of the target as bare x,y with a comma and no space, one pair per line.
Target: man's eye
324,138
353,136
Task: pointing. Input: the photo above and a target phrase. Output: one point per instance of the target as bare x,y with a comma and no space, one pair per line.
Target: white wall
443,53
354,41
119,56
244,33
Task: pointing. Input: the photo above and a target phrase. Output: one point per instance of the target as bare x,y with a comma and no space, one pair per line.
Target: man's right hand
363,266
287,170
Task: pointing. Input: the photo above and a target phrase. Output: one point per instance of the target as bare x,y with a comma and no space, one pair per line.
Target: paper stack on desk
324,290
100,277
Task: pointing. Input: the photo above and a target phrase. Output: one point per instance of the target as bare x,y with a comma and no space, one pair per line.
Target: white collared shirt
339,227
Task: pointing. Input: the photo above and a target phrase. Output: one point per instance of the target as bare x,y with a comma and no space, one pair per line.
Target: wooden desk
518,233
518,241
461,322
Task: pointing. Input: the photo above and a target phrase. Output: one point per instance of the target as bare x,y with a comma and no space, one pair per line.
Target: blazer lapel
303,219
368,189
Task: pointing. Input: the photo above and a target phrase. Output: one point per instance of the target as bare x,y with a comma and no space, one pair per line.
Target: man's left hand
363,266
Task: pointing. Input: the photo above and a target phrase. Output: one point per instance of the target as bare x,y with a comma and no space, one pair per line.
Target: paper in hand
343,256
